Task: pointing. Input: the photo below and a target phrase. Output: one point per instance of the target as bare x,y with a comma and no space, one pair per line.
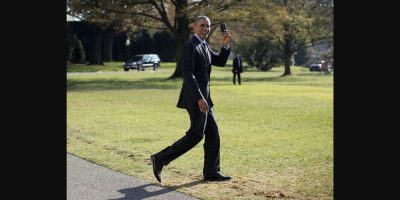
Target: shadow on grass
302,78
186,185
152,190
116,84
168,84
315,74
257,79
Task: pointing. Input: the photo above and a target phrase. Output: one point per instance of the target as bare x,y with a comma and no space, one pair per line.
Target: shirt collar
201,41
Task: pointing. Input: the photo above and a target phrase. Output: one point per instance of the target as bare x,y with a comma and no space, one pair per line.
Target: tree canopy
288,25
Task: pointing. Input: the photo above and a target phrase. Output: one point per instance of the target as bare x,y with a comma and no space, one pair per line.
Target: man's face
202,28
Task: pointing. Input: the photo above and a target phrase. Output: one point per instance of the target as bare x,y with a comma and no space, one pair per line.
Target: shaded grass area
276,132
108,67
118,84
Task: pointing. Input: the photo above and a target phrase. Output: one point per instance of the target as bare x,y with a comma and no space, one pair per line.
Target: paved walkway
88,181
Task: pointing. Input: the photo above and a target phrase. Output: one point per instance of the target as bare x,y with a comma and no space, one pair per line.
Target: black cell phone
223,27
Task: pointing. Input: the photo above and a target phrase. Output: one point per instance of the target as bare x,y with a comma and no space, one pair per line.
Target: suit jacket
196,70
237,66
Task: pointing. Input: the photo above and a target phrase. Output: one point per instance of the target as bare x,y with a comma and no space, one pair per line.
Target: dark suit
196,71
237,69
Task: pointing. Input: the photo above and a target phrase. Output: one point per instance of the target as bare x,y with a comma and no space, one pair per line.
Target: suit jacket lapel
202,50
208,53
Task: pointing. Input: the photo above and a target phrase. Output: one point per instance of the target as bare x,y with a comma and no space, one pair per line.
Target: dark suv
141,61
315,67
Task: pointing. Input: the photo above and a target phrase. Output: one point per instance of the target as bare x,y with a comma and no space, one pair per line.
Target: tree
259,52
173,15
294,24
75,51
301,56
166,46
103,25
142,42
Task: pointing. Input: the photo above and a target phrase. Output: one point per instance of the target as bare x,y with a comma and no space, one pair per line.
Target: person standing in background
237,68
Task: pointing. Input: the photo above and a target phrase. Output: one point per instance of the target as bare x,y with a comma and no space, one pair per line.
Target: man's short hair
201,17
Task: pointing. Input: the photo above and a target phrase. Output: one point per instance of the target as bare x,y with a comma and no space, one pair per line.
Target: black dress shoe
217,177
157,167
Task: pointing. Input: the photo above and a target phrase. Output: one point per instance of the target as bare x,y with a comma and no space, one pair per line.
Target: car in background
315,67
141,61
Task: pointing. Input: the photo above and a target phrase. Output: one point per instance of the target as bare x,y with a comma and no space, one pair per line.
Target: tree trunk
287,51
287,67
180,42
182,27
95,58
107,46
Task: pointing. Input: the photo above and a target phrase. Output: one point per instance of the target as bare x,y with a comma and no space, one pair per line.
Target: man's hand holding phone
226,34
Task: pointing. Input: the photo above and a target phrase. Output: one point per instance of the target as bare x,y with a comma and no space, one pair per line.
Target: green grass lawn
276,132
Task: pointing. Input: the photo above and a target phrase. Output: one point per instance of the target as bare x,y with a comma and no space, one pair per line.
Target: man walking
195,98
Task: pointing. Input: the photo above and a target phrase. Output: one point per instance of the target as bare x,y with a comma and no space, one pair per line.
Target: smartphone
223,27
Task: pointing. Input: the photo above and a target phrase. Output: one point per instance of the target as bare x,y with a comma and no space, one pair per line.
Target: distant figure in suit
237,69
195,98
